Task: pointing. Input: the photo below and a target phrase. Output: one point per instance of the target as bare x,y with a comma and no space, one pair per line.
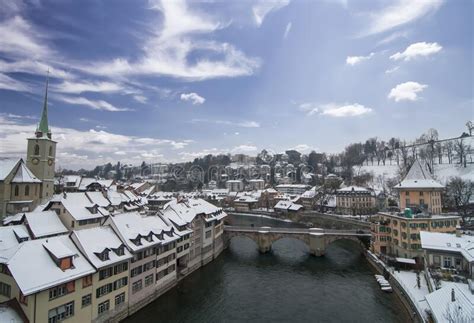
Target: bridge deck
353,233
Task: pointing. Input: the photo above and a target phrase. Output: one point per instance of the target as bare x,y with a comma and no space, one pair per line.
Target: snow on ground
442,172
408,281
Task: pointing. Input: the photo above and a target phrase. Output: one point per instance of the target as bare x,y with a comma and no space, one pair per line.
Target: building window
103,307
86,281
103,290
86,300
208,234
137,286
61,313
27,190
120,299
148,280
120,268
17,190
436,260
5,289
119,283
407,193
61,290
447,262
105,273
37,149
51,150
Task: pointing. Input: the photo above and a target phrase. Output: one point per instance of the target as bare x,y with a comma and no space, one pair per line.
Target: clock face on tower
35,161
50,162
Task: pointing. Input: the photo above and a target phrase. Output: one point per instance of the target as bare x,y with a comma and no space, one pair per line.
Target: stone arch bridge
316,239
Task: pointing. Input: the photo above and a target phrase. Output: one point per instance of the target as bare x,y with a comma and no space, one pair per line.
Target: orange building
419,191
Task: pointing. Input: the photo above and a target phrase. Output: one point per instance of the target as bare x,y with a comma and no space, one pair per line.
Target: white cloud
8,83
353,60
243,124
263,7
309,107
335,110
303,148
94,104
392,70
407,91
244,149
287,30
84,86
77,149
167,50
192,97
140,98
421,49
35,67
20,39
390,38
346,110
399,13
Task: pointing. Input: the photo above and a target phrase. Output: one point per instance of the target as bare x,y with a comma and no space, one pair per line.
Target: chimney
458,231
453,296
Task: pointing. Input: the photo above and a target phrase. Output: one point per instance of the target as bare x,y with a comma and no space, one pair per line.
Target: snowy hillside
442,172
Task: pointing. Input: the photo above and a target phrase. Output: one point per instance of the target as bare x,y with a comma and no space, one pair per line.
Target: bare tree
449,148
459,193
461,149
439,152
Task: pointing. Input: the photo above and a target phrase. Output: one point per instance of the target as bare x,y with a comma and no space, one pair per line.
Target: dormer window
149,237
120,251
104,255
137,241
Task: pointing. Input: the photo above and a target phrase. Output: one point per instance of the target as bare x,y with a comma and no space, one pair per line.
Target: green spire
43,127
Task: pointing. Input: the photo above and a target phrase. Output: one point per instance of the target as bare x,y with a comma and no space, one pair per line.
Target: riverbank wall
398,289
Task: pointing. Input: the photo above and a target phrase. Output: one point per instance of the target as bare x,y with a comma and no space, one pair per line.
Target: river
285,285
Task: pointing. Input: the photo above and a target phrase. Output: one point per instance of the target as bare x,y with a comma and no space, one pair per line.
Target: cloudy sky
168,81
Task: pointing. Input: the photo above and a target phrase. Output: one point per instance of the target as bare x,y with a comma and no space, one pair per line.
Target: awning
406,261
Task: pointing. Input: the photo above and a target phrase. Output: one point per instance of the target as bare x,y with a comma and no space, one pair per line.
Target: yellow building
355,200
111,259
399,236
49,278
419,191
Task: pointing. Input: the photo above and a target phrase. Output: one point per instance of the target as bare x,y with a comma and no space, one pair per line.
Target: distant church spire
43,127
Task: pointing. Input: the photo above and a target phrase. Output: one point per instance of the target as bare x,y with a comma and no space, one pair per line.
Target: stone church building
25,185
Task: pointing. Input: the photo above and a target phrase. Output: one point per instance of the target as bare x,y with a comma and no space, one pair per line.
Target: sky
168,81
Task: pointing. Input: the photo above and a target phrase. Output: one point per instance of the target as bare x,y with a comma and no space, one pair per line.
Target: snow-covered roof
95,240
75,179
6,166
184,212
353,189
445,309
98,198
9,240
448,242
418,177
33,257
292,186
257,180
311,193
9,315
44,224
24,175
287,205
130,226
79,206
246,199
13,218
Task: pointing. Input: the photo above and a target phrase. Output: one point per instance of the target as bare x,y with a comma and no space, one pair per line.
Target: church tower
41,153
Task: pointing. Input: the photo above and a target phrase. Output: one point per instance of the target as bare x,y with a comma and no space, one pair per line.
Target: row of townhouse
107,271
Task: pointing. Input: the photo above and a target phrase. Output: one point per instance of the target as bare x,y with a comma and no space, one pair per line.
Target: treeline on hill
191,175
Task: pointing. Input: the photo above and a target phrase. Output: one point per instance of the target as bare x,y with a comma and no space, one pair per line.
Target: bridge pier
317,242
264,241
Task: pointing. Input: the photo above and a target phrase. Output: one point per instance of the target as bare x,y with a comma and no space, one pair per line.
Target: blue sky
169,81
